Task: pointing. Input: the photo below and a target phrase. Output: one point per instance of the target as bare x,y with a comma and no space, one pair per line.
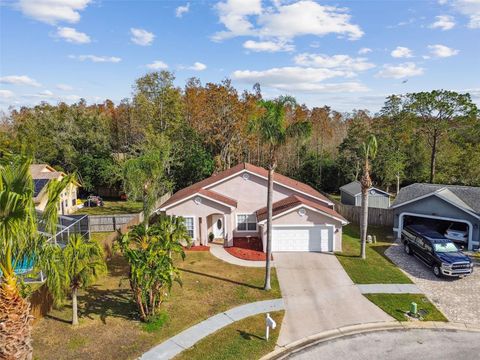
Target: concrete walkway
219,252
319,296
187,338
389,289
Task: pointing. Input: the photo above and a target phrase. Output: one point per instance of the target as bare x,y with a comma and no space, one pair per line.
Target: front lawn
243,340
109,326
112,208
396,305
377,268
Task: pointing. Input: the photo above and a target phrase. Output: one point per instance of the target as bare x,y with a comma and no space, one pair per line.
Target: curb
325,336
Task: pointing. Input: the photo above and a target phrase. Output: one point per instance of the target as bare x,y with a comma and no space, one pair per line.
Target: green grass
109,321
377,268
112,208
243,340
397,304
336,197
156,322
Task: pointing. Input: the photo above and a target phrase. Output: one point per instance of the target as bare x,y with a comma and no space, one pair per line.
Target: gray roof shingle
466,197
355,188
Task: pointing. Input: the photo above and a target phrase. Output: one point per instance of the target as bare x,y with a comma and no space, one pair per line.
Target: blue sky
345,54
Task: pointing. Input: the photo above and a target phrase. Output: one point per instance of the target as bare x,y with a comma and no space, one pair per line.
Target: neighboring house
232,204
439,206
351,194
42,174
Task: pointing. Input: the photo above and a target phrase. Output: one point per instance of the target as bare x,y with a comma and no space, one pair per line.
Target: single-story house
439,206
42,174
231,204
351,194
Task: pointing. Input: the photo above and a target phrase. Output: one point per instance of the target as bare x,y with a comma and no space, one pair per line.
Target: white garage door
302,238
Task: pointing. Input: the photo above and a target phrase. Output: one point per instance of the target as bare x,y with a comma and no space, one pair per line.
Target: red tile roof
279,178
292,202
219,197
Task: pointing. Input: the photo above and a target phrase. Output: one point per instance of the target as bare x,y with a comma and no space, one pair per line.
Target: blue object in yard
24,266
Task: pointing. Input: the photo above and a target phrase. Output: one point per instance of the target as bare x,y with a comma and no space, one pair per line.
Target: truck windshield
445,247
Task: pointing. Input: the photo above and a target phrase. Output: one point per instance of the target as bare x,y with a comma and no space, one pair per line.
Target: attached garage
438,207
300,224
302,238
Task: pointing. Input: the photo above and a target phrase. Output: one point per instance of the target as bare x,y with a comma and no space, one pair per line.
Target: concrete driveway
319,296
397,345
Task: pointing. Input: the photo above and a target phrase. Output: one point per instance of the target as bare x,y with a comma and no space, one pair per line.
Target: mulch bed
197,248
247,249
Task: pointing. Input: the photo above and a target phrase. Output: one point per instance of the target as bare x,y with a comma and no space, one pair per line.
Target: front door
218,226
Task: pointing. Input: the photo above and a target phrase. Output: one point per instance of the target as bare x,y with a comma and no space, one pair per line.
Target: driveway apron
319,296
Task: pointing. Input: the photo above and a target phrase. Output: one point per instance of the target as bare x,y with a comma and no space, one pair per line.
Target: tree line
203,128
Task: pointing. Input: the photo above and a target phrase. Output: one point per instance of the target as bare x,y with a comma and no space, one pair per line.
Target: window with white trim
246,222
189,224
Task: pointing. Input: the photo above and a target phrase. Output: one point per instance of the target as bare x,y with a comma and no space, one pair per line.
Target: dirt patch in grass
377,268
109,326
396,305
243,340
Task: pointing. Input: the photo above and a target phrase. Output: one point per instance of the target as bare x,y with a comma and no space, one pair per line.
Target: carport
404,215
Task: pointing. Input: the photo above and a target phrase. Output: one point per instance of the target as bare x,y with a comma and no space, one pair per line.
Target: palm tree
82,262
149,252
19,240
369,151
274,130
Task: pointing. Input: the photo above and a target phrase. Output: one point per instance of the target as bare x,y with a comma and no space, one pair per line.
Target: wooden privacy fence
376,216
109,223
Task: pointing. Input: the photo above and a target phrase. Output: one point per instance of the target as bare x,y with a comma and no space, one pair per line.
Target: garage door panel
297,238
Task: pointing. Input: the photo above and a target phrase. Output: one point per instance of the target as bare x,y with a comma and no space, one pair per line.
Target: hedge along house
231,204
351,194
438,206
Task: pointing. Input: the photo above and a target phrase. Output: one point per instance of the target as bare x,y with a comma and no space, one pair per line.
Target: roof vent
302,212
198,200
246,176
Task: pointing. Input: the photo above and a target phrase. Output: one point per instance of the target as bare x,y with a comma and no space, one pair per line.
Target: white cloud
72,35
340,62
64,87
53,11
364,51
142,37
19,80
283,21
402,52
6,94
470,8
297,78
197,66
157,65
442,51
268,46
400,71
179,11
96,59
444,22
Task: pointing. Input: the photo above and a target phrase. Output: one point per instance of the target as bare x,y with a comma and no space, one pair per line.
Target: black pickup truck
436,251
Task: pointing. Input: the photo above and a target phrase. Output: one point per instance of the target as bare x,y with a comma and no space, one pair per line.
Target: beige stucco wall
68,198
200,212
310,218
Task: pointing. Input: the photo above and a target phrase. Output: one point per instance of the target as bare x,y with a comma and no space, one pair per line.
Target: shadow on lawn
104,303
249,336
221,279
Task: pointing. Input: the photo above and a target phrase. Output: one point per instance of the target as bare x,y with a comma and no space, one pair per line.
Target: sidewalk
187,338
219,252
389,289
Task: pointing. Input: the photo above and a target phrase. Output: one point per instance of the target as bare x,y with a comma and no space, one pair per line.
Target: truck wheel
436,271
407,249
